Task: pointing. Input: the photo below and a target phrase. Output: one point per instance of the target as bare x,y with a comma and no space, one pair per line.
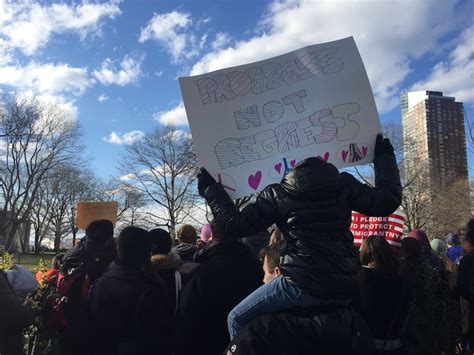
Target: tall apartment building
434,137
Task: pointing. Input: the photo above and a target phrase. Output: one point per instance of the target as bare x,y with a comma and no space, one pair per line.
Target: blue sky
114,64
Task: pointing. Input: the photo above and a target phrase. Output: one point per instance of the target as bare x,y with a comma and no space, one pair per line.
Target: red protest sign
390,227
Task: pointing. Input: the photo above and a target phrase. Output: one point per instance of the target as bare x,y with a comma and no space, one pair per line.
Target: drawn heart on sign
364,151
293,163
254,180
344,154
325,158
278,167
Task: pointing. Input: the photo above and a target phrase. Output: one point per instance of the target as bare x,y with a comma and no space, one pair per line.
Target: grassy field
31,261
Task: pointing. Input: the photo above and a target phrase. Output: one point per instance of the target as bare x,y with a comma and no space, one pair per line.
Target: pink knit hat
206,232
419,235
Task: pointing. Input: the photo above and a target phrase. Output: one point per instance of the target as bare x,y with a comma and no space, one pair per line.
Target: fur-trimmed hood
172,261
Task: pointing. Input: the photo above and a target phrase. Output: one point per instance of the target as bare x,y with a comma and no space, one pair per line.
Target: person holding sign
312,207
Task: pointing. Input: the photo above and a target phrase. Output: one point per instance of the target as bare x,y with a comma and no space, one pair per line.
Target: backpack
68,296
59,301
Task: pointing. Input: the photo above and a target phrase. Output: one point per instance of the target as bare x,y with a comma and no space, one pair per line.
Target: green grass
31,261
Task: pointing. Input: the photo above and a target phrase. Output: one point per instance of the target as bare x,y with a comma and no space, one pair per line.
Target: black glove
204,180
382,145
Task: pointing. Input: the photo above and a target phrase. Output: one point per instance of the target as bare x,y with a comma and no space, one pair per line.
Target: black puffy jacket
312,207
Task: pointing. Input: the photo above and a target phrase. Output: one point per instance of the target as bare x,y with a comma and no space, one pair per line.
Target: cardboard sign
253,123
86,212
390,228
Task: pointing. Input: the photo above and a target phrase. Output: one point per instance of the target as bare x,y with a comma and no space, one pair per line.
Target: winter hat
438,246
134,246
419,235
100,230
160,241
206,232
453,239
187,234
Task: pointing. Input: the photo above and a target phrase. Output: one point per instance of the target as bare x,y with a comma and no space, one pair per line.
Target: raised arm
255,216
386,196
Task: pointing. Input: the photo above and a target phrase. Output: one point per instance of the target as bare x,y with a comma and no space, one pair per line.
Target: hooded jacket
14,317
227,273
185,251
312,208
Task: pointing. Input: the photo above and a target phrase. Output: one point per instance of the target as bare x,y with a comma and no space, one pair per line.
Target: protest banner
86,212
253,123
390,228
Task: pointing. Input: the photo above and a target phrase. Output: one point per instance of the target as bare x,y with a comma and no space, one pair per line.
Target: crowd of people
278,274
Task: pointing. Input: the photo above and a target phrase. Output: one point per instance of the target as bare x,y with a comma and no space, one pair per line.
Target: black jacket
384,302
317,330
128,314
312,207
226,275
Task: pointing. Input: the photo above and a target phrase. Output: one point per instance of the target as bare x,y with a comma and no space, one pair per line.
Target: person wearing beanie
438,287
166,264
455,249
426,251
225,275
465,284
128,304
96,253
187,247
311,206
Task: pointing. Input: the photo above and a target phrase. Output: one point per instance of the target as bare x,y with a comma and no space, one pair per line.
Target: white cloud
171,30
28,25
102,98
126,138
222,39
129,71
65,104
176,116
46,78
389,36
455,77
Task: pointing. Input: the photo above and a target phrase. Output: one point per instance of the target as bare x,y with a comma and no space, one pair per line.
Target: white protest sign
252,123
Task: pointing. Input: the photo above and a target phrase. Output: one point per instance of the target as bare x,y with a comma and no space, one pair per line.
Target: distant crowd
277,273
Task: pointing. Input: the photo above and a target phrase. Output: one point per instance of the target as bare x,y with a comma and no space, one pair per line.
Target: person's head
438,246
410,249
419,235
468,243
160,241
57,260
100,231
134,247
376,252
206,232
453,239
187,234
270,256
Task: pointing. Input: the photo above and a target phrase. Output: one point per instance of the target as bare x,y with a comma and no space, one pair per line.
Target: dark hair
410,256
377,250
134,246
160,241
100,230
187,234
272,253
56,262
470,232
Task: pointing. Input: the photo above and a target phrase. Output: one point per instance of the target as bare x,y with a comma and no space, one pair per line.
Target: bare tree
162,166
36,138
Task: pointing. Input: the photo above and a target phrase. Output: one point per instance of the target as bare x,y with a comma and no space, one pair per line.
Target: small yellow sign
86,212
